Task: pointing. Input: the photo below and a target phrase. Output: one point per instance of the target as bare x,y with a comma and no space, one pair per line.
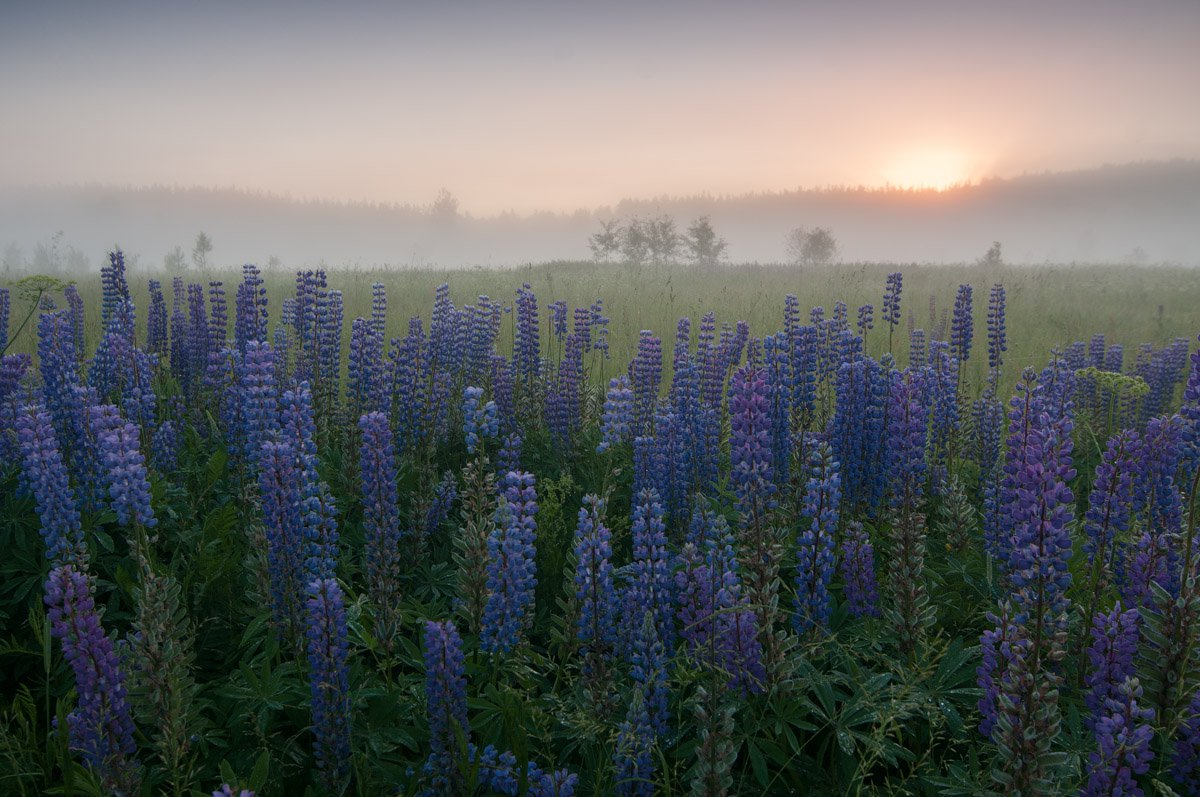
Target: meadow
266,538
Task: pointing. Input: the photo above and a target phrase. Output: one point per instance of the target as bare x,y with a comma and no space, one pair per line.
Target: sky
529,106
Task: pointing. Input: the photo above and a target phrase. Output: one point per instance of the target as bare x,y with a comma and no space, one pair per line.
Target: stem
32,309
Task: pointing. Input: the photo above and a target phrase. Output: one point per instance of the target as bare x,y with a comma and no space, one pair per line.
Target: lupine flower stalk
381,522
328,651
512,573
595,594
46,475
816,543
858,571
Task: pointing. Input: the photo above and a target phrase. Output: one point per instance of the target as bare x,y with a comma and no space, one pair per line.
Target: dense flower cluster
512,573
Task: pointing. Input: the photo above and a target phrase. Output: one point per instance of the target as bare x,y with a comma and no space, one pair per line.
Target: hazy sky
554,105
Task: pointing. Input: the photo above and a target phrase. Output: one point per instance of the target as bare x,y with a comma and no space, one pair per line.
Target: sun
935,167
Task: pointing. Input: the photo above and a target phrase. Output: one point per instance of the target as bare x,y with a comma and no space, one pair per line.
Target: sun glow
929,168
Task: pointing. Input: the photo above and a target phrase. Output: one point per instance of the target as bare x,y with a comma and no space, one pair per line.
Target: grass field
1051,305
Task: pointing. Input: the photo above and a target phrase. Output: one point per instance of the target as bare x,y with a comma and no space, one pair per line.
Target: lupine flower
905,449
381,516
917,351
480,421
997,332
749,442
1185,758
858,572
329,679
512,572
866,320
229,791
1110,656
857,432
498,773
365,368
156,321
279,488
4,310
445,688
527,349
164,448
125,471
649,673
633,758
445,493
962,327
508,458
1123,735
816,542
114,287
258,398
650,588
101,727
616,424
1108,514
250,320
47,478
891,303
597,622
645,376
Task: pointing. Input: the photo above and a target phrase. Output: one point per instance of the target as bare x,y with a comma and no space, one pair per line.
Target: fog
1137,213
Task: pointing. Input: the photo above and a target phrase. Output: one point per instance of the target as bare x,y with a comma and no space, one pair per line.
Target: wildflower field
857,530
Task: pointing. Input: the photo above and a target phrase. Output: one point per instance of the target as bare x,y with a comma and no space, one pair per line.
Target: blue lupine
101,726
328,651
156,321
599,322
445,688
648,670
1110,658
250,311
114,288
650,587
942,390
777,373
917,349
258,398
279,489
857,431
997,333
315,505
527,347
75,315
498,773
58,364
558,319
645,376
962,326
750,456
905,449
891,303
616,424
672,464
816,542
716,620
508,458
445,493
480,421
866,320
1123,735
597,622
364,370
125,471
512,572
164,448
858,571
1185,757
4,310
381,515
1108,514
633,757
46,475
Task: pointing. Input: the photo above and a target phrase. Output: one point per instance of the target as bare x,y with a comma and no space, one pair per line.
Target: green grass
1048,306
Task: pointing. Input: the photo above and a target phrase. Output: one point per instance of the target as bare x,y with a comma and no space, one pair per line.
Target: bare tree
200,251
663,239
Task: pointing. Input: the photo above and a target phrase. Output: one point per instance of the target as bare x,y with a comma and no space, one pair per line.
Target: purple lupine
381,516
365,366
480,421
616,423
891,303
1123,735
46,475
650,587
502,392
218,317
582,326
445,493
101,726
407,366
445,689
558,319
567,397
527,345
905,447
164,448
329,319
156,321
279,489
751,470
777,371
866,319
315,505
125,472
58,365
257,397
228,791
1108,514
328,651
962,326
4,309
858,571
114,288
197,332
250,310
816,542
716,620
508,458
996,333
512,572
180,355
942,386
857,431
917,349
1110,657
599,322
645,376
648,670
597,622
1185,757
13,368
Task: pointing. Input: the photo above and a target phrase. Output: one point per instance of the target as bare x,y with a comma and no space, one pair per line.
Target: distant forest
1136,213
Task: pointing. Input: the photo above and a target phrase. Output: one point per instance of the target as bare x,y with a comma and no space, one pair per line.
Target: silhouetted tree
815,247
704,247
663,239
992,257
174,261
635,242
200,251
607,242
444,208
